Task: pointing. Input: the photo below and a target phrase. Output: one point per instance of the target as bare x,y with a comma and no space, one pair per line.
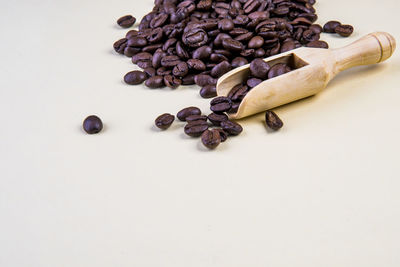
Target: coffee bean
238,92
344,30
216,119
231,127
137,41
155,82
253,82
232,45
330,26
188,79
172,81
203,52
170,61
316,28
126,21
238,62
131,51
186,112
277,70
256,42
196,64
163,71
164,121
193,118
92,124
202,80
150,72
195,38
222,134
120,45
211,138
273,121
287,46
143,60
318,44
220,104
220,69
234,108
131,33
196,128
181,69
208,91
226,25
259,68
135,77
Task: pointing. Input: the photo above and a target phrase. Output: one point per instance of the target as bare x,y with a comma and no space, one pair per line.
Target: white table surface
323,191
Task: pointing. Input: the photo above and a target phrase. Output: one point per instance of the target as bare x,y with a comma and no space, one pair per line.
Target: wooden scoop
314,68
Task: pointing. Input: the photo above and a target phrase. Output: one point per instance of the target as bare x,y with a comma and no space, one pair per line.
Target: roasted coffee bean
216,119
238,31
202,80
163,71
92,124
211,138
273,121
220,69
170,61
238,62
232,45
196,64
253,82
188,79
318,44
204,5
131,51
259,68
287,46
193,118
226,25
277,70
150,72
186,112
157,56
310,36
208,91
196,128
181,51
260,52
169,43
159,20
131,33
155,82
234,108
195,38
137,41
222,134
256,42
120,45
126,21
344,30
203,52
220,104
231,127
143,60
181,69
220,38
135,77
164,121
172,81
316,28
330,26
238,92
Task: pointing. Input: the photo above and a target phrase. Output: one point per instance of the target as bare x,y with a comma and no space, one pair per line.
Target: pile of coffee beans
184,42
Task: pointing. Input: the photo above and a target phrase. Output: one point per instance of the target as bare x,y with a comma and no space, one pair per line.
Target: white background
323,191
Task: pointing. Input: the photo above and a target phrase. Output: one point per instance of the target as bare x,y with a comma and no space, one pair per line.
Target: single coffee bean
137,41
222,134
208,91
192,118
316,28
277,70
143,60
170,61
131,51
220,104
120,45
287,46
220,69
131,33
238,92
186,112
256,42
195,37
155,82
150,72
188,79
172,81
330,26
181,69
234,108
196,64
135,77
231,127
181,51
211,138
126,21
238,62
203,52
253,82
273,121
216,119
226,25
202,80
344,30
196,128
318,44
232,45
164,121
259,68
163,71
92,124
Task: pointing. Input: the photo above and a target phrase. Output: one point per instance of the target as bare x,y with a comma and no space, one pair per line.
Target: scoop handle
370,49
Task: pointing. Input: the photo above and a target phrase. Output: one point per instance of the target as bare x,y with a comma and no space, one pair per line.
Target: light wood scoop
314,68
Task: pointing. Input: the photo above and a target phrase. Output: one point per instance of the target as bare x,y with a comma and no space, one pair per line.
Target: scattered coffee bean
135,77
220,104
186,112
172,81
155,82
330,26
92,124
259,68
231,127
222,134
126,21
277,70
318,44
192,118
196,128
344,30
164,121
273,121
208,91
211,138
216,119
